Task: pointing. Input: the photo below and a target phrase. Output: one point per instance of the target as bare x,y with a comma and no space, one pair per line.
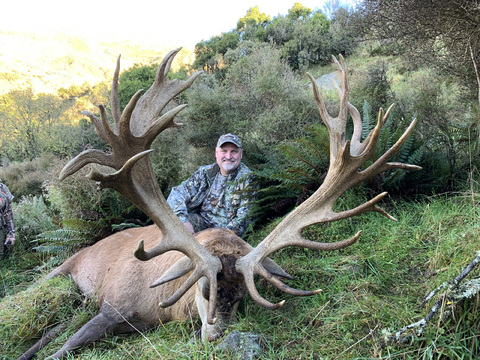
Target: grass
369,289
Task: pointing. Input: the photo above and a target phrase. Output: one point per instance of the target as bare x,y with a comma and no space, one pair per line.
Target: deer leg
92,331
44,341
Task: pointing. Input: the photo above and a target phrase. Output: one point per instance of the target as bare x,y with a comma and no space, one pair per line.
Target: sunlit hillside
49,62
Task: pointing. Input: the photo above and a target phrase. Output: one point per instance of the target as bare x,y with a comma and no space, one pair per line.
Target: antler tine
347,157
113,95
135,129
159,95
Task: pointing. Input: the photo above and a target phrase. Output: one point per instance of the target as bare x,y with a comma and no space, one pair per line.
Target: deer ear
180,268
275,269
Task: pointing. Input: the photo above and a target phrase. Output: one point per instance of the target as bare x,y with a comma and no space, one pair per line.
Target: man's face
228,157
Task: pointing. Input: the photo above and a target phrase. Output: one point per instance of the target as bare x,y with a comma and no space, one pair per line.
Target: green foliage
251,27
268,103
165,158
310,43
446,126
209,53
134,79
34,124
26,178
31,217
445,138
303,37
261,100
25,315
372,85
396,181
77,197
252,17
74,234
283,183
346,30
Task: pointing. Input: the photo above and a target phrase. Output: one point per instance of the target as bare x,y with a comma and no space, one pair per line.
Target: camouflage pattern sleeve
185,196
8,216
240,222
6,199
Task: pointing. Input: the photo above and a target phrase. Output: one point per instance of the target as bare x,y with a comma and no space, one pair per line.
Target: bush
78,197
31,218
26,178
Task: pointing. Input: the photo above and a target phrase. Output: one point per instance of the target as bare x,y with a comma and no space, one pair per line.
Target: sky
167,22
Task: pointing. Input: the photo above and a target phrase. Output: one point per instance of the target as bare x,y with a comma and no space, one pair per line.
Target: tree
136,78
253,19
346,30
280,30
299,12
310,41
35,124
443,33
209,53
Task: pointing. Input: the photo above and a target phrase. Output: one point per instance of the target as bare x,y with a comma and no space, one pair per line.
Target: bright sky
175,22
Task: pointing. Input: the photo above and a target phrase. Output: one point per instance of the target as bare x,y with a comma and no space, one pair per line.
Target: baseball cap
229,138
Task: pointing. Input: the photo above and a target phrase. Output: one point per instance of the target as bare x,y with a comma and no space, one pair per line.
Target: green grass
369,289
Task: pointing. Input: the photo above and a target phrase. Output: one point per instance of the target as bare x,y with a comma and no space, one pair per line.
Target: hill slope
49,62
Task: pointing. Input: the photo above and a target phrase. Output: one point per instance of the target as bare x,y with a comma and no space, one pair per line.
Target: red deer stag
218,267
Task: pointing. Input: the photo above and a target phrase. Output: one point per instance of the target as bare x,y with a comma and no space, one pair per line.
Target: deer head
142,121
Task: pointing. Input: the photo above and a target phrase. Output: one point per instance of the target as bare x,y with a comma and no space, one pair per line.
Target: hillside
49,62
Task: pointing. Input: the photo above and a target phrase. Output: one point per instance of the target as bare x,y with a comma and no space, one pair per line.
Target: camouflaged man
210,197
7,229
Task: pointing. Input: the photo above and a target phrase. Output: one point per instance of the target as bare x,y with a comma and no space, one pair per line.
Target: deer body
108,272
120,284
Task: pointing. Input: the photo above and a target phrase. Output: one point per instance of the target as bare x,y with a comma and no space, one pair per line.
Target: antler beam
347,157
134,131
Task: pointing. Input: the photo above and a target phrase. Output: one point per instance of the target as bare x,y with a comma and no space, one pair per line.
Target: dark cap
229,138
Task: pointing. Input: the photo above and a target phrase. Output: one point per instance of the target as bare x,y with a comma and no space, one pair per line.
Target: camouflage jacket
226,209
6,215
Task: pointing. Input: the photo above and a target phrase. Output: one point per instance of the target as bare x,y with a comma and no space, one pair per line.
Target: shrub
26,178
78,198
31,218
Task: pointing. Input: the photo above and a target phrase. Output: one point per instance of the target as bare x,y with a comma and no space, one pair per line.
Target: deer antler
134,131
345,171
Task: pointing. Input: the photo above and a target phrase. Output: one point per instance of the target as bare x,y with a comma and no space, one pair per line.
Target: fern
76,233
367,120
411,152
278,190
307,159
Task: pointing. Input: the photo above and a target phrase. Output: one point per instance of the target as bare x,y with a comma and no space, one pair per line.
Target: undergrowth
369,289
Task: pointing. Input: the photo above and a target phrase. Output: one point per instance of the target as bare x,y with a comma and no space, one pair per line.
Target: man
210,198
7,229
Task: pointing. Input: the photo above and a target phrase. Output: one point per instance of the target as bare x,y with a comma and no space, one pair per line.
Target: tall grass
369,289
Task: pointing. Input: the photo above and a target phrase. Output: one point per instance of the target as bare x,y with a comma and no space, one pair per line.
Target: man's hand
189,227
10,240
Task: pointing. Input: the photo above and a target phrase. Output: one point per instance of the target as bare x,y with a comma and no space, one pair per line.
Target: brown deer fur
109,273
